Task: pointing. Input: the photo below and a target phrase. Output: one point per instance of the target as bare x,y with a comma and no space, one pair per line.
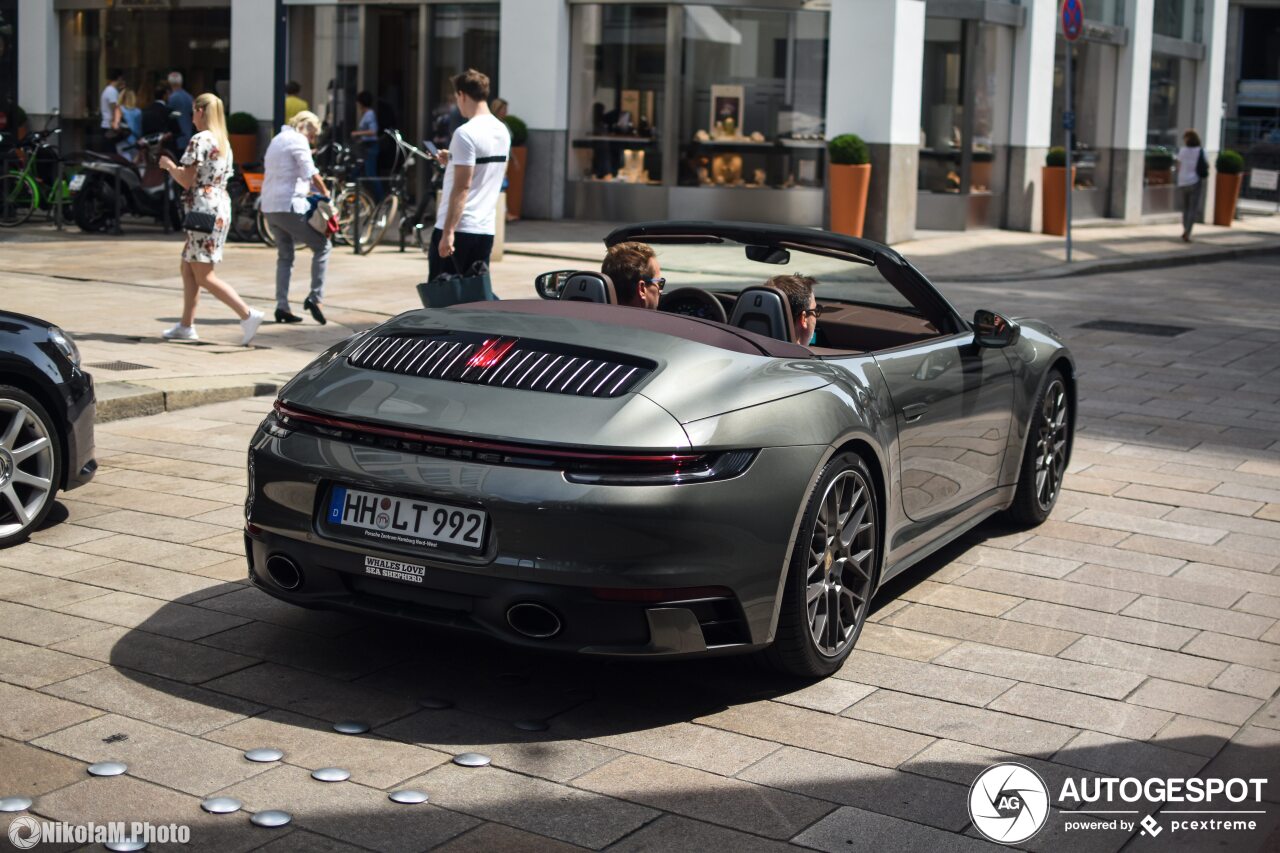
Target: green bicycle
37,184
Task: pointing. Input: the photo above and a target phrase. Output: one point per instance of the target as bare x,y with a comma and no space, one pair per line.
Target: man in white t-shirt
475,164
107,107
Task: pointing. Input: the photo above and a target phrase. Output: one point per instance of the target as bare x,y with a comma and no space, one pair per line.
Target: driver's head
633,269
801,301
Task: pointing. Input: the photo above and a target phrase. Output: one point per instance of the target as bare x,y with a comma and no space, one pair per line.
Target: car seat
589,287
766,311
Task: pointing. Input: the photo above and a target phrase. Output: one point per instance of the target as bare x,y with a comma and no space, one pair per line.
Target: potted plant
516,165
1158,166
1054,191
242,130
849,178
1230,166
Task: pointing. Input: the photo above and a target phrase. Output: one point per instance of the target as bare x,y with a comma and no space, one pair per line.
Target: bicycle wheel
349,201
244,216
264,229
383,215
18,199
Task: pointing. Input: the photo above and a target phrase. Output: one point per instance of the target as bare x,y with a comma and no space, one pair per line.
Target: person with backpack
1193,169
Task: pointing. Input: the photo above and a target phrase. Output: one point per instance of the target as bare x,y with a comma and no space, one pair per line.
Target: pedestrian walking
475,163
1193,168
128,117
294,103
158,118
181,103
203,174
108,102
290,181
366,134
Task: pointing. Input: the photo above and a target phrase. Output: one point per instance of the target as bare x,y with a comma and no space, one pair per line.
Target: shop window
1179,19
752,97
964,106
1093,66
324,59
8,62
618,93
462,37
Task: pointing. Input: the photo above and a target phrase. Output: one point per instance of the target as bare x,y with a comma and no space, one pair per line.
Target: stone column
1207,110
1133,91
533,74
38,61
253,60
874,69
1030,114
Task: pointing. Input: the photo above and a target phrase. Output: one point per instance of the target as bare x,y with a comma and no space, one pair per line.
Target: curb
1120,265
119,400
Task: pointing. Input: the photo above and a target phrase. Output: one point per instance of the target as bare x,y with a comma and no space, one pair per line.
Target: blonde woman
291,179
206,165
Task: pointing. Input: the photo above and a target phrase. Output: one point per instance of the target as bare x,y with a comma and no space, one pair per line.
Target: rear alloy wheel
1044,463
30,464
831,575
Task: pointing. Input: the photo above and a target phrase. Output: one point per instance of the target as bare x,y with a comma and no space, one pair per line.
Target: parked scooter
109,187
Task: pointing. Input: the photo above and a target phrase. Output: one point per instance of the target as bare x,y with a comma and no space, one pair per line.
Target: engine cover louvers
505,362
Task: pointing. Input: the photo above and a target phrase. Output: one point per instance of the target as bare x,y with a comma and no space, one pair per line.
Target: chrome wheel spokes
840,565
26,466
1051,443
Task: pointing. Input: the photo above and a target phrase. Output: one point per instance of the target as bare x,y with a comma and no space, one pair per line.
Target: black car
46,422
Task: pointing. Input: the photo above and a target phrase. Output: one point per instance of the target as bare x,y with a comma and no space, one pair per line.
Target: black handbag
453,289
197,220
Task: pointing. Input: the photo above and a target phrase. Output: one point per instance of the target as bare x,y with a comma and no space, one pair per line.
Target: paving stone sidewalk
1136,633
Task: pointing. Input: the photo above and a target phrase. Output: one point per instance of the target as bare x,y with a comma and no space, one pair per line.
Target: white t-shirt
483,142
107,104
1187,160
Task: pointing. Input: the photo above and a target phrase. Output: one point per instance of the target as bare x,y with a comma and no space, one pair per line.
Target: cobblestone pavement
1133,634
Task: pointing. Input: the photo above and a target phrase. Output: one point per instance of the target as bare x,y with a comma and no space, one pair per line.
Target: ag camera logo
24,832
1008,803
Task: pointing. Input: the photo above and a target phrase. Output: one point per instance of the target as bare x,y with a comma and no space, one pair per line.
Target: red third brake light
491,352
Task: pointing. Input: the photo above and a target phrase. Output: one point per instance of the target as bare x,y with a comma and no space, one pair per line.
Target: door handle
914,412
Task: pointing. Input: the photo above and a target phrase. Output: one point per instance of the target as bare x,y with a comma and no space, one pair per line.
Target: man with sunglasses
633,269
803,304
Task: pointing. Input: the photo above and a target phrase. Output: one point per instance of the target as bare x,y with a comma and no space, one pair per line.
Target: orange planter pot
515,180
848,192
1225,194
1054,199
244,147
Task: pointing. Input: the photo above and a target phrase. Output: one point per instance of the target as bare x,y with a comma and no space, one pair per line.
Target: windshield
725,267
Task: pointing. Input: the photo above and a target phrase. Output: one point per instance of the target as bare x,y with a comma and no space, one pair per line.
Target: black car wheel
831,574
1044,462
30,464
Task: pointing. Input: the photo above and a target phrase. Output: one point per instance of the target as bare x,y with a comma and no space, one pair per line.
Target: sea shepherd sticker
392,569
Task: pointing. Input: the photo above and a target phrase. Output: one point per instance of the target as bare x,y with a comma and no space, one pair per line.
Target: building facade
717,108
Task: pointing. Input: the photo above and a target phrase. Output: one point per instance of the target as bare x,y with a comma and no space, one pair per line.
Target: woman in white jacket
1193,168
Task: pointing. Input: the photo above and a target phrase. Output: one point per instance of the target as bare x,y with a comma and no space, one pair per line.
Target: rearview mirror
768,255
549,284
993,330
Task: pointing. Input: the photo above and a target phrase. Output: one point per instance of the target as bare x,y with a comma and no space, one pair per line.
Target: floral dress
207,194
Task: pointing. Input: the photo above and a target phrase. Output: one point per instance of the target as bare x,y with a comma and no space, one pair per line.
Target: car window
726,268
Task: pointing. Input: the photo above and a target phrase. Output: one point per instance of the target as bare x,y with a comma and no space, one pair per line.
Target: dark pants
1189,200
467,249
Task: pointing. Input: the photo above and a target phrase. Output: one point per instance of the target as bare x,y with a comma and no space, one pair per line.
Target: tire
349,200
93,207
383,215
30,464
244,217
1044,461
827,574
264,230
19,198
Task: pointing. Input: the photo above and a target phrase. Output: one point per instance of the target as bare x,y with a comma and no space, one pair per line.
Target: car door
953,401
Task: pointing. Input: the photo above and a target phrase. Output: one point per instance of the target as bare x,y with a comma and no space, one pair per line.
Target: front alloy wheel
30,464
1044,462
832,572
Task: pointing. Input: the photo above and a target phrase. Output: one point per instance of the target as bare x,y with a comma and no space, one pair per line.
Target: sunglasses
659,283
816,312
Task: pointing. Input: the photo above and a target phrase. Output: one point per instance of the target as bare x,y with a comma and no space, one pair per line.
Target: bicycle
397,199
350,200
38,183
247,220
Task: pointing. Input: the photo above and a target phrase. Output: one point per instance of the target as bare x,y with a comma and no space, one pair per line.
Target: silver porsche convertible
569,473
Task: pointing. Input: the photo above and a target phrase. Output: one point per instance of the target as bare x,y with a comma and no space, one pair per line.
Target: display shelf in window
752,163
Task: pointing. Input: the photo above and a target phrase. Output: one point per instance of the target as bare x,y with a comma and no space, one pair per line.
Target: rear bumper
550,542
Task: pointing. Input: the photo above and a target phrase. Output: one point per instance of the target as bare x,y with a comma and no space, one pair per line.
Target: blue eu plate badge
336,502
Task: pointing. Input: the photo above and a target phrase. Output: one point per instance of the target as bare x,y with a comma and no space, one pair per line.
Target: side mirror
993,330
549,284
768,254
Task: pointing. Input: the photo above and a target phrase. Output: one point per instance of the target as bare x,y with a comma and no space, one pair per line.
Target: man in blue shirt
366,133
181,102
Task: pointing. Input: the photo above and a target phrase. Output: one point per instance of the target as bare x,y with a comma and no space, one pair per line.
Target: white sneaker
180,332
249,325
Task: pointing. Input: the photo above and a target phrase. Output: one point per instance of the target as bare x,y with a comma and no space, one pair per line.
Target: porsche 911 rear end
508,474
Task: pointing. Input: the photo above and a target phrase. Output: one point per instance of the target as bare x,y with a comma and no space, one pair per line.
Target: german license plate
404,521
77,181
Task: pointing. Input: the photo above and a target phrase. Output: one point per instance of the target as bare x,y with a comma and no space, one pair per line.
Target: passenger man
803,304
633,269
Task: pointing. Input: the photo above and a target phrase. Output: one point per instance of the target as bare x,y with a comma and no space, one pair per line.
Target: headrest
589,287
766,311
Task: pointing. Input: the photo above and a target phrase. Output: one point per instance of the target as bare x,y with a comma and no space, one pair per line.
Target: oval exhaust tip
284,572
533,620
